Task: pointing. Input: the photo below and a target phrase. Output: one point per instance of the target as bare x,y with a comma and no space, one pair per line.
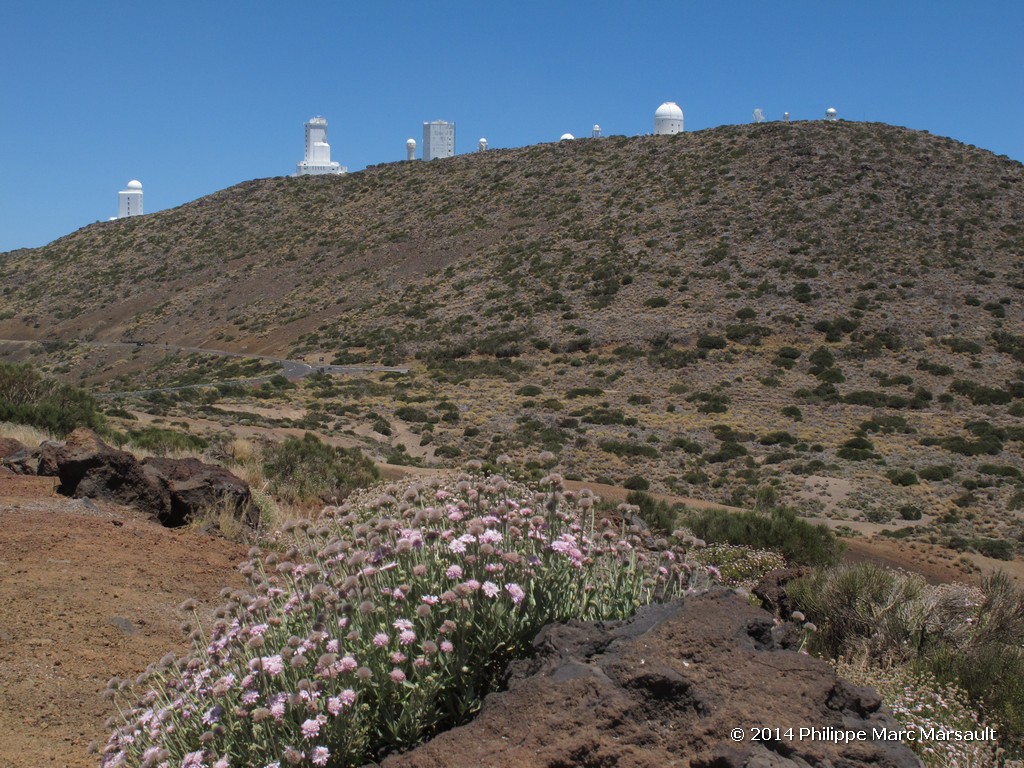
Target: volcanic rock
668,688
17,458
195,488
173,491
89,468
771,589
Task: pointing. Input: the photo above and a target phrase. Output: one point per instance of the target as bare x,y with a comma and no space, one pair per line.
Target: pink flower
381,639
250,696
473,584
446,646
402,624
516,592
398,657
397,675
332,645
408,637
430,599
319,755
272,665
490,537
346,664
311,727
491,589
193,760
454,572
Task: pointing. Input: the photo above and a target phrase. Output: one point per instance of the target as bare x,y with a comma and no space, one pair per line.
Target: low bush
307,468
958,635
780,530
28,397
384,623
164,441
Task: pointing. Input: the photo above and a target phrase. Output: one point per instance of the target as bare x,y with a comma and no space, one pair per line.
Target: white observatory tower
410,149
482,146
566,137
438,140
317,158
831,115
668,119
595,132
129,200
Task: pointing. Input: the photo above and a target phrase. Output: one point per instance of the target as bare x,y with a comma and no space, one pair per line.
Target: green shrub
780,530
711,341
27,397
626,448
164,441
902,477
636,483
778,438
307,468
657,514
936,472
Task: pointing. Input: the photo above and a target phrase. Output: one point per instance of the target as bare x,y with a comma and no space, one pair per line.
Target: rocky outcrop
17,458
88,468
194,488
771,589
174,491
674,685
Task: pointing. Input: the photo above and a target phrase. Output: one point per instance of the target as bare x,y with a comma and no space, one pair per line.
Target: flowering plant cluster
919,703
385,622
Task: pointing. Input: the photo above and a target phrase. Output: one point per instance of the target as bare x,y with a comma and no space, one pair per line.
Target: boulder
89,468
771,589
681,684
174,491
17,458
195,489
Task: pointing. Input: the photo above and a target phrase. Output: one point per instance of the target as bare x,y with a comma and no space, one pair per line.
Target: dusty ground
87,591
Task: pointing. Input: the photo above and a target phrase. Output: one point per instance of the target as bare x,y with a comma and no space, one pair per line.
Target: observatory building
318,152
831,115
668,119
129,200
410,149
438,140
595,132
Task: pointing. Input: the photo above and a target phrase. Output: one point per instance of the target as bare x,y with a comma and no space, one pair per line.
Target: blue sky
191,97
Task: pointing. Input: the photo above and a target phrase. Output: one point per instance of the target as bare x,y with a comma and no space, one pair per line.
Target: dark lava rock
89,468
195,488
17,458
771,589
172,490
668,688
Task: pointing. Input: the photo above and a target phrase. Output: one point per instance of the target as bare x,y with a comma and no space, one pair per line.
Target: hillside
825,314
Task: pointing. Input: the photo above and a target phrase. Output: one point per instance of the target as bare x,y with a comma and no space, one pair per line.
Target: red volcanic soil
87,591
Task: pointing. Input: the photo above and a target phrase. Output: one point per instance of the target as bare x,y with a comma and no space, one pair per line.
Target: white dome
135,184
830,111
669,110
567,137
411,143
